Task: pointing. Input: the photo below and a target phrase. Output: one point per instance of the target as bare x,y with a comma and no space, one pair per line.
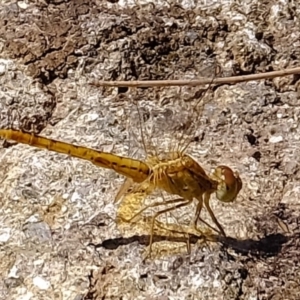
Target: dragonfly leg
198,212
155,204
162,212
213,217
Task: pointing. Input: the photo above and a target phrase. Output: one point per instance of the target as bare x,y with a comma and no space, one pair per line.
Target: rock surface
58,238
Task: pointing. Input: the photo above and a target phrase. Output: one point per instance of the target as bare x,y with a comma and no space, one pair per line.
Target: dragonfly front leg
198,212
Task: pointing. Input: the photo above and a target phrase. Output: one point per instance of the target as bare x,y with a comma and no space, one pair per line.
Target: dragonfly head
229,183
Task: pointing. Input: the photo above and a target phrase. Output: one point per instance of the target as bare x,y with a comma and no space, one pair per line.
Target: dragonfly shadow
270,245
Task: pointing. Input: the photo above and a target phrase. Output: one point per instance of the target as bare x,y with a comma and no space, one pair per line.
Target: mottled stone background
58,238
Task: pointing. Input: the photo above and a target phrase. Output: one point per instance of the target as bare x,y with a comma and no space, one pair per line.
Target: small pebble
5,235
2,69
41,283
22,4
276,139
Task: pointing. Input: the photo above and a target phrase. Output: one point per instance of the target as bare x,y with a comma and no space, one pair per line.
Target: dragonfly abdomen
135,169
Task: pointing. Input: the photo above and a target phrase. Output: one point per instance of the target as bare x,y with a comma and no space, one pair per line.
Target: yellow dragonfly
176,173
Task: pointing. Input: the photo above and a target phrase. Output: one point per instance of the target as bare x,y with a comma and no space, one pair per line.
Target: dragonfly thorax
181,175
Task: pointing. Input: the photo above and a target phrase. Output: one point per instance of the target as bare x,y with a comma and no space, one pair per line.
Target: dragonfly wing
130,206
125,187
133,201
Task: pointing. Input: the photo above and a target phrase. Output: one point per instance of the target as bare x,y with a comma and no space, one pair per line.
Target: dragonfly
175,172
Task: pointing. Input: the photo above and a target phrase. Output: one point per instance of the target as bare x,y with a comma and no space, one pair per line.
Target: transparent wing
131,204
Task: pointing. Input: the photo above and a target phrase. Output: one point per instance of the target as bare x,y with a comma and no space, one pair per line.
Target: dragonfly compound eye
229,185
